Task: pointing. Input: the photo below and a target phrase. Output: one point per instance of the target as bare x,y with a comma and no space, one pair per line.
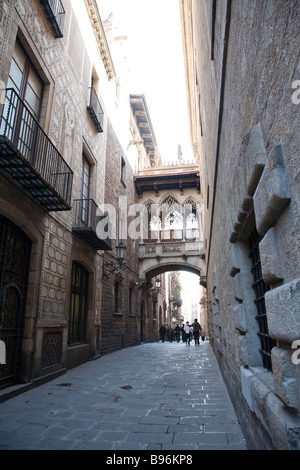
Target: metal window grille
260,288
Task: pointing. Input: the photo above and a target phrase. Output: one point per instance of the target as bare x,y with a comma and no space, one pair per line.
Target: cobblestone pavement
157,396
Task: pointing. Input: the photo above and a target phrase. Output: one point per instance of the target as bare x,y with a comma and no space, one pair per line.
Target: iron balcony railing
55,13
176,299
95,110
87,216
29,156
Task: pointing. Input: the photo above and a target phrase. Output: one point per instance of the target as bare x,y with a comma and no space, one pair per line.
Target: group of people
186,332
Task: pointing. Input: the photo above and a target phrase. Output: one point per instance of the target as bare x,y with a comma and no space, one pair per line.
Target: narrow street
156,396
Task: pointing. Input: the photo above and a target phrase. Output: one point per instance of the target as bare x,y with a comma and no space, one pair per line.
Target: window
24,78
79,299
94,106
191,220
26,82
123,170
260,288
85,176
117,297
55,13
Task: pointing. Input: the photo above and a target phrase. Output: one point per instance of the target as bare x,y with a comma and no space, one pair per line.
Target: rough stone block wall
258,183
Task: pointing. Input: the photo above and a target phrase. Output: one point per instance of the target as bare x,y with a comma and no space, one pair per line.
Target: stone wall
249,154
65,66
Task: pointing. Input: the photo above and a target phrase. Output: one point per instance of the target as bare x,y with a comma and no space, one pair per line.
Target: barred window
260,288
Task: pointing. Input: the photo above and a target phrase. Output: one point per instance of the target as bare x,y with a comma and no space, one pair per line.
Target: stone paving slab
157,396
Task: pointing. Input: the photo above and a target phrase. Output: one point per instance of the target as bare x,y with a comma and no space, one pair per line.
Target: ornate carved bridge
172,234
170,193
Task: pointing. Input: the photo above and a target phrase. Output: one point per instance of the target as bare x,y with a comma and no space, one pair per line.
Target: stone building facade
242,67
56,306
56,330
120,319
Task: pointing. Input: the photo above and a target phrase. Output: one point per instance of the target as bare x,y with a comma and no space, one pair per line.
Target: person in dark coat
162,332
171,334
196,331
182,333
177,333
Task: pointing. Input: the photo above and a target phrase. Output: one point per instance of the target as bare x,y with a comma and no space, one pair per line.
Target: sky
156,69
190,294
156,64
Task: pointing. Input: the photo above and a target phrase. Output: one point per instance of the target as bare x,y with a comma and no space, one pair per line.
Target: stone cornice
94,15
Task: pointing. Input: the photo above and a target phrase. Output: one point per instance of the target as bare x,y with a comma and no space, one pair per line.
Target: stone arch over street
165,267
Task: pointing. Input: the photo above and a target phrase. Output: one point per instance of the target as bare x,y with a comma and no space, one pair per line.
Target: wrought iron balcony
87,217
55,13
95,110
28,155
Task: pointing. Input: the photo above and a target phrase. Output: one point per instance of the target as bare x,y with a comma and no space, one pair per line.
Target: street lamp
155,290
115,267
121,252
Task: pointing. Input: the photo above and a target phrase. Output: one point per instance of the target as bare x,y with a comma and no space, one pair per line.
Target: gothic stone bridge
173,235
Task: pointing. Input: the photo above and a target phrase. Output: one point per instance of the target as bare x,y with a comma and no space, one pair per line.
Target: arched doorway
15,250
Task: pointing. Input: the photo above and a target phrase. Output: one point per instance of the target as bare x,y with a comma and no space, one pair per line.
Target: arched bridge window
171,221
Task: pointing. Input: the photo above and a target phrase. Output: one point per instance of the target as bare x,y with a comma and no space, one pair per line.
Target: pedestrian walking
162,332
182,333
196,331
188,333
177,333
202,334
171,334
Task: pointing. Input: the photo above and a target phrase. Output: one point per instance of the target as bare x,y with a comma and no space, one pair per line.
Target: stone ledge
273,415
272,195
271,263
256,158
246,380
283,310
285,377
